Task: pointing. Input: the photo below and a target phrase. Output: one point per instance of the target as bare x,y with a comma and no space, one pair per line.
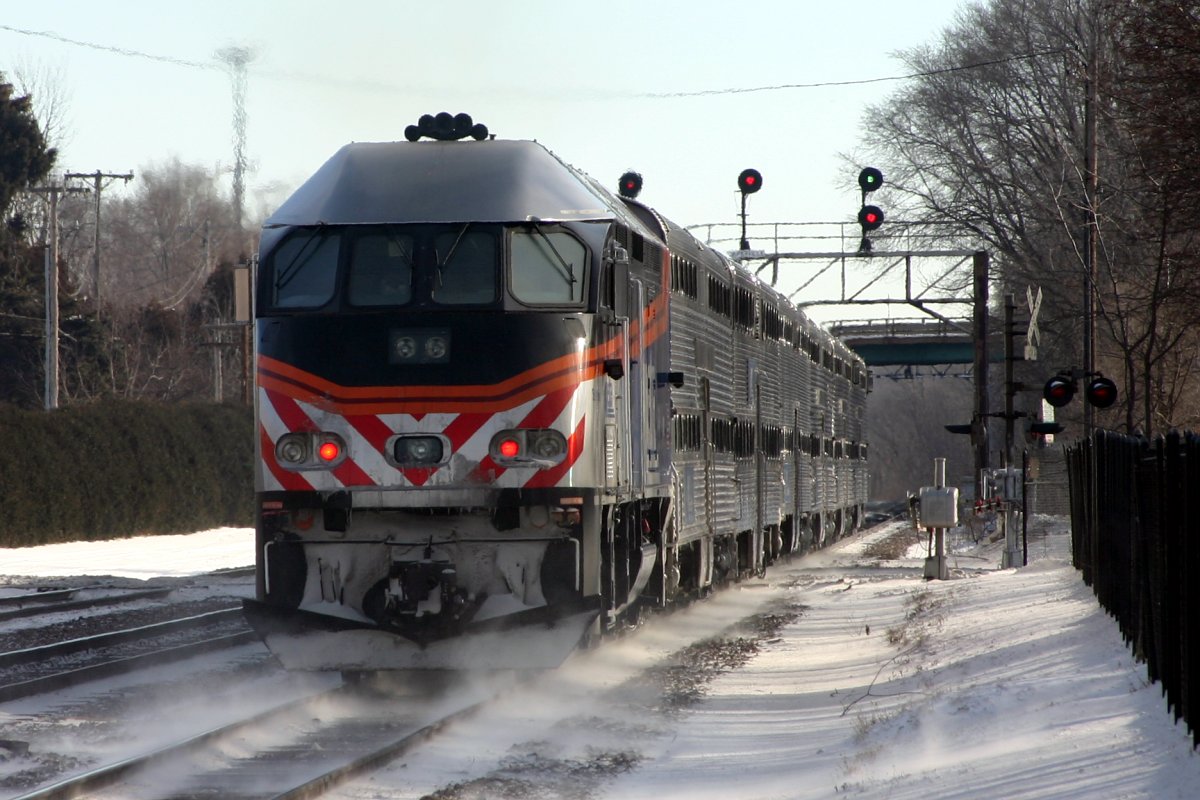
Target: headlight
539,447
436,347
547,444
409,346
321,450
292,448
418,451
405,347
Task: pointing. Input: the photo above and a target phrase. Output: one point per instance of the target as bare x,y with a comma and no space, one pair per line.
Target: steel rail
32,655
109,774
41,605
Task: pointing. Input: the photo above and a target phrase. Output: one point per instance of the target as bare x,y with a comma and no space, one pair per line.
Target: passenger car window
381,270
305,270
547,267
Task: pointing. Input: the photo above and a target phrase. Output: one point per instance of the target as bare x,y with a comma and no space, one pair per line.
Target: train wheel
787,532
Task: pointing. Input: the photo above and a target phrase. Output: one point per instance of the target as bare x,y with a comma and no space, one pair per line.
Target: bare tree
991,144
163,238
45,85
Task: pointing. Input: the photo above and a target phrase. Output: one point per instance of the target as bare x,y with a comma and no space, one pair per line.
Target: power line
325,79
123,51
860,82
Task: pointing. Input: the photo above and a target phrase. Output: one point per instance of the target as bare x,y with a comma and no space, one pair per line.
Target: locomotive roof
488,181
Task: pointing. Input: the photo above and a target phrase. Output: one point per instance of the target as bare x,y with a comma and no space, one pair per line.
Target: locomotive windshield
546,267
305,270
390,266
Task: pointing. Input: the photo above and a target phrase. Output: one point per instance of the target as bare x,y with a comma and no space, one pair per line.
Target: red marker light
630,184
329,451
509,448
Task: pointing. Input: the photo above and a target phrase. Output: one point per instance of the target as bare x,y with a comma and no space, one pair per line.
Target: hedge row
116,468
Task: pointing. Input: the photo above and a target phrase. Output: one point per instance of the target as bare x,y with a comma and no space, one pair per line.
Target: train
502,411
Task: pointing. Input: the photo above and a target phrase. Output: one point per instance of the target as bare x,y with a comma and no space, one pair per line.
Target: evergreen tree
25,159
24,155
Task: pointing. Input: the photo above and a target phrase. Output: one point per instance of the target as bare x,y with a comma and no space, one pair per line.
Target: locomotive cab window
304,270
466,264
381,270
547,267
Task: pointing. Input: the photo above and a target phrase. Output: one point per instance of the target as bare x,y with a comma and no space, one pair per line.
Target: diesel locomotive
502,410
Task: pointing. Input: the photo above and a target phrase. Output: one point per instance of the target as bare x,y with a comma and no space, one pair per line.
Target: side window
381,270
547,267
467,269
305,270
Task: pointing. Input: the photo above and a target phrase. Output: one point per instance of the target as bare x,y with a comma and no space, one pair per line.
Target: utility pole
51,369
979,438
96,178
1090,232
1010,305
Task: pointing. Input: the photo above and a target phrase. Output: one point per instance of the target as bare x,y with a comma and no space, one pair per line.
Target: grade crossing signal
1099,391
1059,390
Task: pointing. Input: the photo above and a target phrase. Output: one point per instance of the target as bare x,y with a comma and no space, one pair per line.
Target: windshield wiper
394,238
438,263
566,268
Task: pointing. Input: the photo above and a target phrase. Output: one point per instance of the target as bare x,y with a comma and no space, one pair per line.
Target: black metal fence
1134,515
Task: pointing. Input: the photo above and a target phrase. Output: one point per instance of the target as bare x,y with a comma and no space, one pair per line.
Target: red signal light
329,451
1101,392
510,448
1058,391
870,218
750,181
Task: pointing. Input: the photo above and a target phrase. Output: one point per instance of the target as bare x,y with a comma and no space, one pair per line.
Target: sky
996,683
686,92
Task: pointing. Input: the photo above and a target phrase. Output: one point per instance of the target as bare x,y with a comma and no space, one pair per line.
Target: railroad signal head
750,181
870,218
1101,392
1059,390
870,179
630,184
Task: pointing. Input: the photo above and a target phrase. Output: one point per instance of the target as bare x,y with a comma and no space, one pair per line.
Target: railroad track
302,749
44,603
45,668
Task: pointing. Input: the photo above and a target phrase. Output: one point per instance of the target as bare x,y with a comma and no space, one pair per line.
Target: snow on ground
997,683
143,557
